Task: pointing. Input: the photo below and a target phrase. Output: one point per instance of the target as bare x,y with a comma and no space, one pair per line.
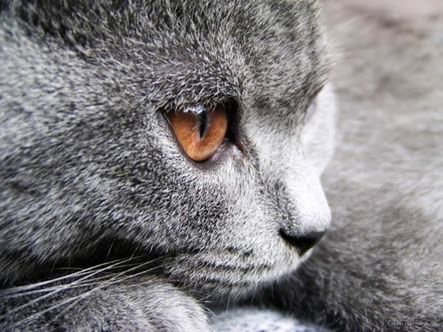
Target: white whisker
67,286
111,281
46,282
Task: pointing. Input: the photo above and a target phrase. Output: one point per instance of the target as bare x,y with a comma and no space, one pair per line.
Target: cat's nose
303,242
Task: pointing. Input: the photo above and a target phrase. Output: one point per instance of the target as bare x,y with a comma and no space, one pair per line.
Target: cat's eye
199,131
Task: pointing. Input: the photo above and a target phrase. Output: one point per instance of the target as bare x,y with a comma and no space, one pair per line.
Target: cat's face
88,156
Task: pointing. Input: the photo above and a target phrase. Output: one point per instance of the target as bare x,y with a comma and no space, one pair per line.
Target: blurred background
388,75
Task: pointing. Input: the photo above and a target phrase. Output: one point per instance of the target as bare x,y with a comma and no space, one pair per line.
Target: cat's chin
231,277
212,275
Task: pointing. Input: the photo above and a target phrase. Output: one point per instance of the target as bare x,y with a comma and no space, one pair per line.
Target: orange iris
198,131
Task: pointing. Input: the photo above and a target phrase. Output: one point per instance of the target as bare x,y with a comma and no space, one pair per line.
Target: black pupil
202,119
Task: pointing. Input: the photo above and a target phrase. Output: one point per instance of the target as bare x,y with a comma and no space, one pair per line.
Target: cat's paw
151,305
156,306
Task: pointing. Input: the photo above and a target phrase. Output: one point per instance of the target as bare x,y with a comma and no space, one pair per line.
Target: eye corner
232,107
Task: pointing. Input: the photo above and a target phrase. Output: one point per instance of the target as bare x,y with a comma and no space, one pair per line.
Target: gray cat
161,161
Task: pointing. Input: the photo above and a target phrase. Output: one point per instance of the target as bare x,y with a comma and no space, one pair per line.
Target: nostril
302,242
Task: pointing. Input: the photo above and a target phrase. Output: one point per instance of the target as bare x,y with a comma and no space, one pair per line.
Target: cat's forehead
272,49
187,52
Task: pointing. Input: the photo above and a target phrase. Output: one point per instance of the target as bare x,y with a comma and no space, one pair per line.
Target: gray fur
380,266
127,305
91,176
261,320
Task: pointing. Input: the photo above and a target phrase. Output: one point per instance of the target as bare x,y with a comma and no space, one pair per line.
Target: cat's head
90,152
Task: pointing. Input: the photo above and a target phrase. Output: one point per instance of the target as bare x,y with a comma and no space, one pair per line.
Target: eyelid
195,109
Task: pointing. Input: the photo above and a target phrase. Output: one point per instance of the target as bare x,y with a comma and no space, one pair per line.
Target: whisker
46,282
67,286
76,285
108,254
84,295
111,281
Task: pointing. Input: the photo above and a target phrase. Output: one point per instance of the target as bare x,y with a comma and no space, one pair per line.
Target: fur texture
90,171
91,177
379,268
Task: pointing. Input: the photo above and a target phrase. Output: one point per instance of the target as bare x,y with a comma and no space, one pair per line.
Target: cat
112,219
92,173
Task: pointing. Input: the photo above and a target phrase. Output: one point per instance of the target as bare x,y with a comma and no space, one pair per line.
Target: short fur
92,178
